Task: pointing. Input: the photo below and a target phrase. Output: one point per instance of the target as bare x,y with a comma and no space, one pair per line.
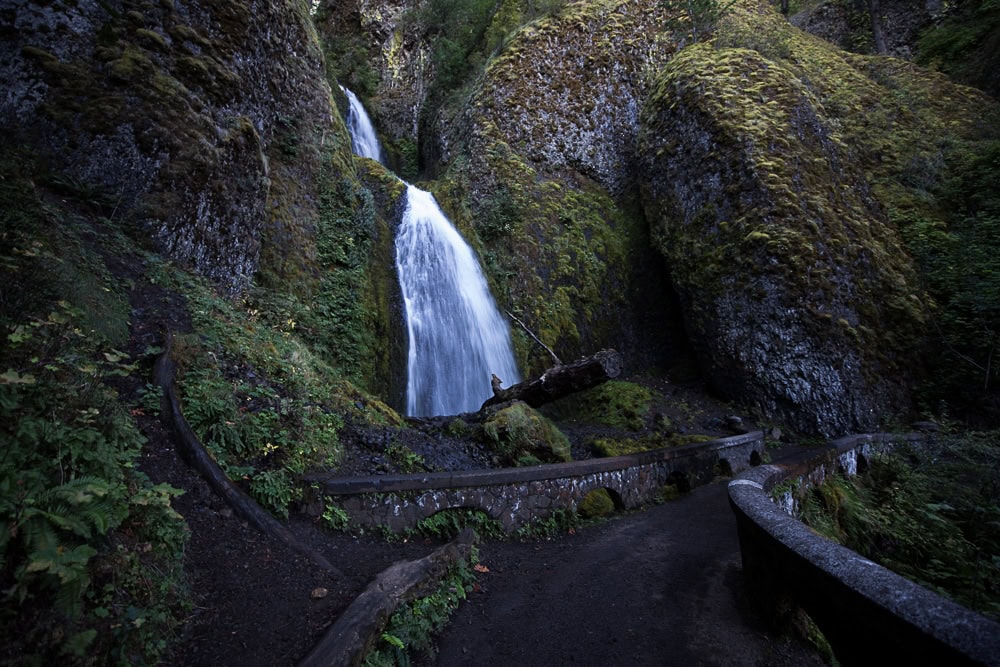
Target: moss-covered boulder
596,504
520,435
772,165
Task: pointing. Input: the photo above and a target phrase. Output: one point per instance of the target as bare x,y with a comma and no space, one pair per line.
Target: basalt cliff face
769,170
202,121
745,196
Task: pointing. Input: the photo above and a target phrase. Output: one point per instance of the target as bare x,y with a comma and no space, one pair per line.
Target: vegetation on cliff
928,513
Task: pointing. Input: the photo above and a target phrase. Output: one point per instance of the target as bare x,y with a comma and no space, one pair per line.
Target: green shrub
448,523
73,507
928,513
597,503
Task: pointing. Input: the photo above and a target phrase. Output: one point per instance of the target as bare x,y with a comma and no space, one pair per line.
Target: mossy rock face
519,434
566,90
188,116
761,169
541,171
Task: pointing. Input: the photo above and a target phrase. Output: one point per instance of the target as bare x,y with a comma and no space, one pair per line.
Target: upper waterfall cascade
364,141
457,336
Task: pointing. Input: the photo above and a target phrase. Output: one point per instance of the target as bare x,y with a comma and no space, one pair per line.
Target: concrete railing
869,614
516,496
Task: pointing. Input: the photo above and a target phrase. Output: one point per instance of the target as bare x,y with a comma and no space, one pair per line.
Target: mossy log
353,634
561,380
194,454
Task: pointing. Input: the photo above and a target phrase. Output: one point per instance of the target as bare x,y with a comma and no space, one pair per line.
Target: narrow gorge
781,223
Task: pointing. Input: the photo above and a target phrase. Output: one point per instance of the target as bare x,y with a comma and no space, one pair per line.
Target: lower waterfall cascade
457,338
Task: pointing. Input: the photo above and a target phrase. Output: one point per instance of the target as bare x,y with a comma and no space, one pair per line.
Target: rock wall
382,57
769,190
567,91
517,497
200,118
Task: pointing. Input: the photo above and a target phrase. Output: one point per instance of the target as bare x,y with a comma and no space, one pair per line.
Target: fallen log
560,380
353,634
194,454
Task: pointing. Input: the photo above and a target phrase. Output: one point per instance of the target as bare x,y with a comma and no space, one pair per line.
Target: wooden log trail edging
194,453
354,633
869,614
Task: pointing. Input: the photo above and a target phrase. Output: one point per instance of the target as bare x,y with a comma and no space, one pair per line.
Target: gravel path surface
661,587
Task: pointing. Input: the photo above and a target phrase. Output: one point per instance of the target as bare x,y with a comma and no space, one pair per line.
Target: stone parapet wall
517,496
868,614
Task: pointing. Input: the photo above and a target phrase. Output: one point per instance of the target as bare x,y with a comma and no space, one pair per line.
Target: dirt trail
661,587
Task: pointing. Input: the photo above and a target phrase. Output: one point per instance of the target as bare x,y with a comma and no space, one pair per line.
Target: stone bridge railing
517,496
869,614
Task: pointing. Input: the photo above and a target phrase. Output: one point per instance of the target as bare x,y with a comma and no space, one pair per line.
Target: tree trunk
875,10
561,380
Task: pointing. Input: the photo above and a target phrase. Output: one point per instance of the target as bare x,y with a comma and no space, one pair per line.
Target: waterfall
457,337
364,141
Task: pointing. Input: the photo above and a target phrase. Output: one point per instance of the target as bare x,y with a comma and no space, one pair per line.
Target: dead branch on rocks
561,380
555,359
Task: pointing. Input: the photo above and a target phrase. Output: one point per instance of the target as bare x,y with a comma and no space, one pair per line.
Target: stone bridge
518,496
868,614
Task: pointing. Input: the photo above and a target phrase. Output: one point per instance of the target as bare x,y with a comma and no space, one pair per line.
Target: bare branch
535,338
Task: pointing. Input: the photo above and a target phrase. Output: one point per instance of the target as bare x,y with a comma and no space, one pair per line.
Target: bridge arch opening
598,502
755,459
681,481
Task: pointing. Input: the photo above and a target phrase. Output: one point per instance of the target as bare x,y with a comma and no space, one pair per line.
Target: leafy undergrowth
265,404
411,629
929,513
91,551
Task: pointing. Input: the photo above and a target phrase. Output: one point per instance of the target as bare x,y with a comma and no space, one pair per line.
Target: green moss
623,446
616,403
518,431
151,38
133,64
597,503
38,55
